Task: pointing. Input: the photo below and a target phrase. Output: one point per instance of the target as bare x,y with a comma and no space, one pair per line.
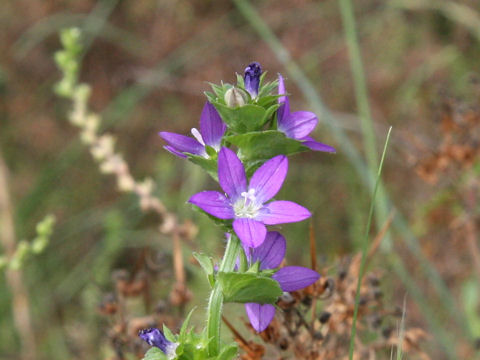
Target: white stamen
246,206
196,134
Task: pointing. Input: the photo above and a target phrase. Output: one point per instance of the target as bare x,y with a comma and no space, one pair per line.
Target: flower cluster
253,118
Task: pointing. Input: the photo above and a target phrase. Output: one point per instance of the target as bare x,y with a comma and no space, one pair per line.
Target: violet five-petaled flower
154,337
246,205
251,78
290,278
299,124
211,132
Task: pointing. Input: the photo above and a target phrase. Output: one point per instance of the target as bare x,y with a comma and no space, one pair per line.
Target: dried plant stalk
102,148
20,300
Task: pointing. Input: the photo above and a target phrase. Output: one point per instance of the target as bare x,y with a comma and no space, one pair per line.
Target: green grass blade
364,112
365,247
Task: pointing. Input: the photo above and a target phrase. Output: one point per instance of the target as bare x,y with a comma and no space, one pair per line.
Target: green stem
215,303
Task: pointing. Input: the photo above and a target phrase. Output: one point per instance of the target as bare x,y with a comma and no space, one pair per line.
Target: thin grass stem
365,248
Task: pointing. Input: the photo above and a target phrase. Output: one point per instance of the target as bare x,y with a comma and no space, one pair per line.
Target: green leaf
240,81
255,146
211,97
205,262
242,119
209,165
217,89
248,287
268,100
229,352
168,334
267,89
182,336
270,111
154,353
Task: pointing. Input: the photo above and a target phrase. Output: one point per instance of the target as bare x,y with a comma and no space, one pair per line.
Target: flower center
246,206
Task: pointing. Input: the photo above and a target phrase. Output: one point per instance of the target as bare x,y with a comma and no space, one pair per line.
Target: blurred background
148,63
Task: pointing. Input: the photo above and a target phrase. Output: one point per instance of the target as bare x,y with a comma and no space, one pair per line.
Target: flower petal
214,203
297,125
317,146
281,212
183,143
174,151
292,278
284,109
231,174
250,232
212,127
271,252
268,178
259,315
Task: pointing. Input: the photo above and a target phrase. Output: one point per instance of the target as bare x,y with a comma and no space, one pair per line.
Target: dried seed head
377,294
324,317
283,343
387,332
307,300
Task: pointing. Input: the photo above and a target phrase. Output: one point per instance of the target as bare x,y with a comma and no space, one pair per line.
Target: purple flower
154,337
211,132
252,78
246,205
290,278
299,124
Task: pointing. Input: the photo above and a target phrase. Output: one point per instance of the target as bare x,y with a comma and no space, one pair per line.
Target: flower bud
154,337
252,78
235,97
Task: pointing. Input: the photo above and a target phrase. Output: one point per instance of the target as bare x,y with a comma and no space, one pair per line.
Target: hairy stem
215,303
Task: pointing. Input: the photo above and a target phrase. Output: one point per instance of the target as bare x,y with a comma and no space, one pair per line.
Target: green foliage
206,263
25,248
209,165
248,287
154,353
228,352
261,146
190,346
242,119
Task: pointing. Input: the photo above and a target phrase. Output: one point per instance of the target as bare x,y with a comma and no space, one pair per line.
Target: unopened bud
235,97
252,78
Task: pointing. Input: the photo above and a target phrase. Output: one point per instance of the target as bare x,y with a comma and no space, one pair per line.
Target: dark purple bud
154,337
252,78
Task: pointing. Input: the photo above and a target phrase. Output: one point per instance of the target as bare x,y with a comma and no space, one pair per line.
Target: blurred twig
20,301
102,148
